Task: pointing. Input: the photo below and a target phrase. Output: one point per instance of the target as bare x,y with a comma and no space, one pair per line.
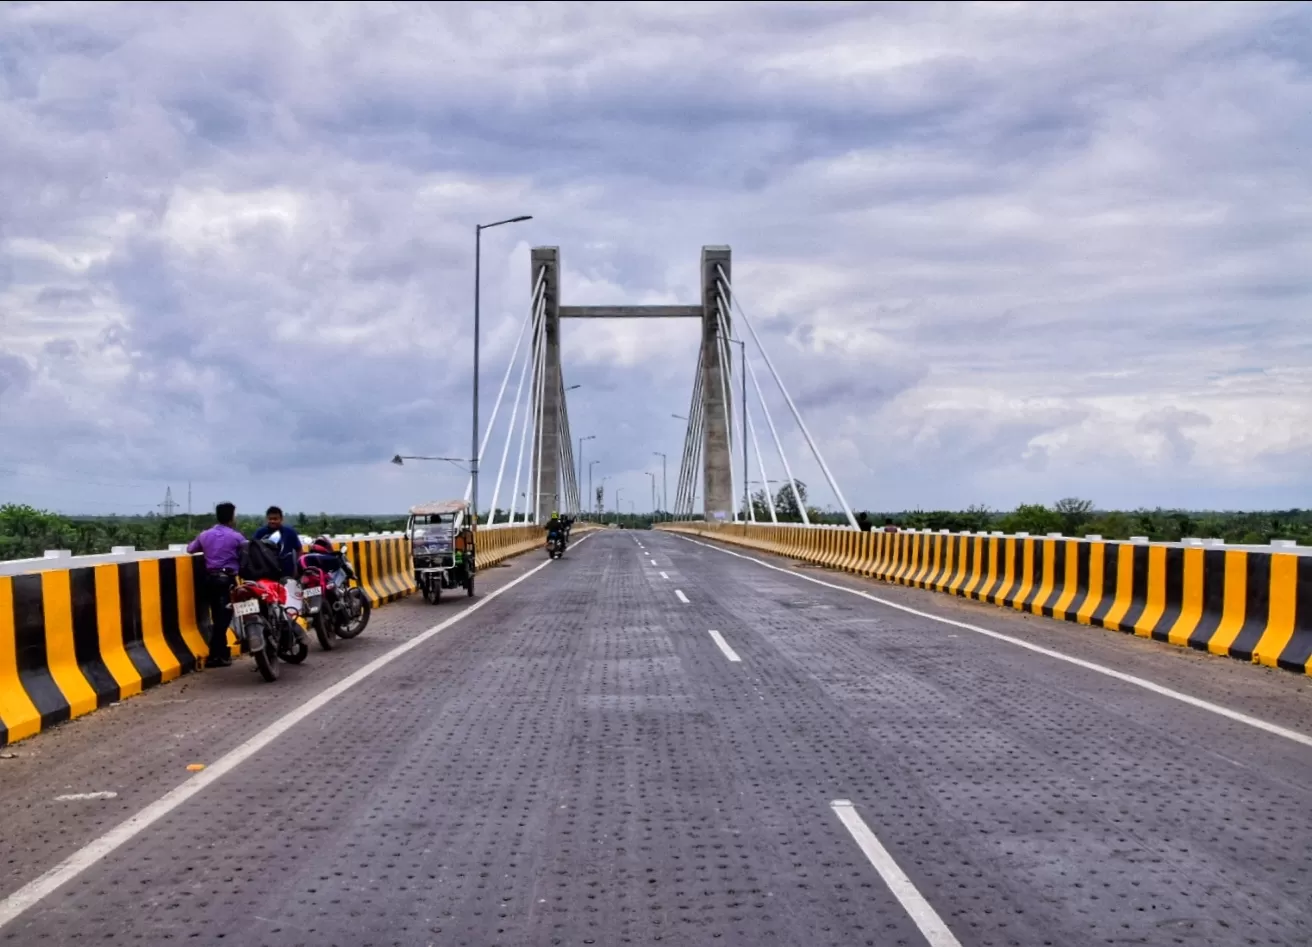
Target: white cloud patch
999,252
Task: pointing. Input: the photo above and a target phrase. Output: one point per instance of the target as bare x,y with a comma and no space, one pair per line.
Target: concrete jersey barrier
1242,603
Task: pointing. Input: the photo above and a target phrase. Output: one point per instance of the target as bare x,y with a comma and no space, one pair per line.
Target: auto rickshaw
441,538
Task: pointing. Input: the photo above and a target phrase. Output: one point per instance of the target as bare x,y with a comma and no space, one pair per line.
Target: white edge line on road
921,912
664,576
729,652
1255,722
78,862
682,598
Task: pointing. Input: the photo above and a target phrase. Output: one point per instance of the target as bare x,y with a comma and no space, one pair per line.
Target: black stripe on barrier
1036,575
1298,653
1083,558
86,635
170,620
129,609
1257,606
30,648
936,578
1013,553
1111,566
1213,599
1139,596
1174,595
1049,604
997,563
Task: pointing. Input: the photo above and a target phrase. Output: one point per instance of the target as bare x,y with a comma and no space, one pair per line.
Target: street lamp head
679,416
520,219
572,387
397,460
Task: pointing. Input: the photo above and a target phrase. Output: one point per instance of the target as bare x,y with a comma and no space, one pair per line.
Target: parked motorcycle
265,627
335,605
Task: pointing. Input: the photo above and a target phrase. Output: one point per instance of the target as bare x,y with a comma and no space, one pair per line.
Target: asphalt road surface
656,741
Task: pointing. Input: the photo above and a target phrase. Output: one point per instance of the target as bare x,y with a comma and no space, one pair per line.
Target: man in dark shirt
289,543
221,544
863,522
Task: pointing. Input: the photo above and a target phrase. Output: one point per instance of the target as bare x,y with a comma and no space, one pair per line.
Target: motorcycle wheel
433,591
323,629
266,659
353,628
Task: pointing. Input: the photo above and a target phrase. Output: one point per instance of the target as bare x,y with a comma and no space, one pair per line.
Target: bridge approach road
656,741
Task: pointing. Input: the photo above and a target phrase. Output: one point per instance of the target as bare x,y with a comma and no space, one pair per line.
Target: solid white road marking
78,796
920,910
78,862
1147,685
724,646
664,576
682,598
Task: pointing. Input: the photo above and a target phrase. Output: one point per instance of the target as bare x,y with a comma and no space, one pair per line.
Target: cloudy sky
1000,253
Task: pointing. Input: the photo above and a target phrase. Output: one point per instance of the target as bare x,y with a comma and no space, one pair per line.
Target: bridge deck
579,761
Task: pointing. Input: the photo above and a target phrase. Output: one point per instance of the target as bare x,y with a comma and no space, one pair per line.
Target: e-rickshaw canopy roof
439,508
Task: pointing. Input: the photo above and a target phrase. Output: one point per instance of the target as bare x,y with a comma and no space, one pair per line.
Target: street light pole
665,485
653,490
592,502
478,265
618,491
590,437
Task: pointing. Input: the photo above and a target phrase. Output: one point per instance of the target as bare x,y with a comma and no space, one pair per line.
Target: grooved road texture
578,762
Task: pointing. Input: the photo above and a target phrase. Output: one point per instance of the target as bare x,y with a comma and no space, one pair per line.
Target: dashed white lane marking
724,646
82,859
1254,722
921,912
664,576
682,598
653,562
79,796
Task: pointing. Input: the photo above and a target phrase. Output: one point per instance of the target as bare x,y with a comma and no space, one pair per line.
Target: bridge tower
553,480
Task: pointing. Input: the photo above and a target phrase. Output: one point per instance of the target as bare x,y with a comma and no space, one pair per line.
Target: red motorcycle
265,627
334,602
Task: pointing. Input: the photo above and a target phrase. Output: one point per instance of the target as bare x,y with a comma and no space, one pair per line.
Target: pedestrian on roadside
221,545
863,521
889,527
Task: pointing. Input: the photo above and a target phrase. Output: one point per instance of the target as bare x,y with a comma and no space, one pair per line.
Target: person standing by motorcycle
221,545
284,537
288,541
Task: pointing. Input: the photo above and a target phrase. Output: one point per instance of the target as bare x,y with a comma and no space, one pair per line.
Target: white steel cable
514,411
778,445
537,432
530,409
797,415
760,462
496,407
724,395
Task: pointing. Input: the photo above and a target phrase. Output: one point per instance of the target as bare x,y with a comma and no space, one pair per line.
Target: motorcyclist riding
557,529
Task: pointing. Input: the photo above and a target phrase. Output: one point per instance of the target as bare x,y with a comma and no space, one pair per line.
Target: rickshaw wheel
469,586
432,591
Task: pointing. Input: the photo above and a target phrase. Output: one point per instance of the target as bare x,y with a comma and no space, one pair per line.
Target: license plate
313,591
247,607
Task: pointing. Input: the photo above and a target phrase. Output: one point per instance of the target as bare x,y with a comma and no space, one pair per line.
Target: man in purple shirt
221,544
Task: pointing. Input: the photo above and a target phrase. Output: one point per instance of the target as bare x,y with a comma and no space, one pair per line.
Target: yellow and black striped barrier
73,640
1248,604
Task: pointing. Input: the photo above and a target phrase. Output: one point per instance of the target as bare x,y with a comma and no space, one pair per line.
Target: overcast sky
1000,253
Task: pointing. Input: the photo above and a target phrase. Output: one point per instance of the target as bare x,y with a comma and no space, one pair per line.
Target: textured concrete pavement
579,761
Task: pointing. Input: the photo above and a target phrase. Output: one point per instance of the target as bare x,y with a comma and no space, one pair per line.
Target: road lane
1023,794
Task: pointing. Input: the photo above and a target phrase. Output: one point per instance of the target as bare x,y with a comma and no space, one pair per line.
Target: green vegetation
26,532
1074,517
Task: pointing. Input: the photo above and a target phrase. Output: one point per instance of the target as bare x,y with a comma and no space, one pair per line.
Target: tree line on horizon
27,532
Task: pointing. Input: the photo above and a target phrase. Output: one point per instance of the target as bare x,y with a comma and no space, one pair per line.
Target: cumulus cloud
998,252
